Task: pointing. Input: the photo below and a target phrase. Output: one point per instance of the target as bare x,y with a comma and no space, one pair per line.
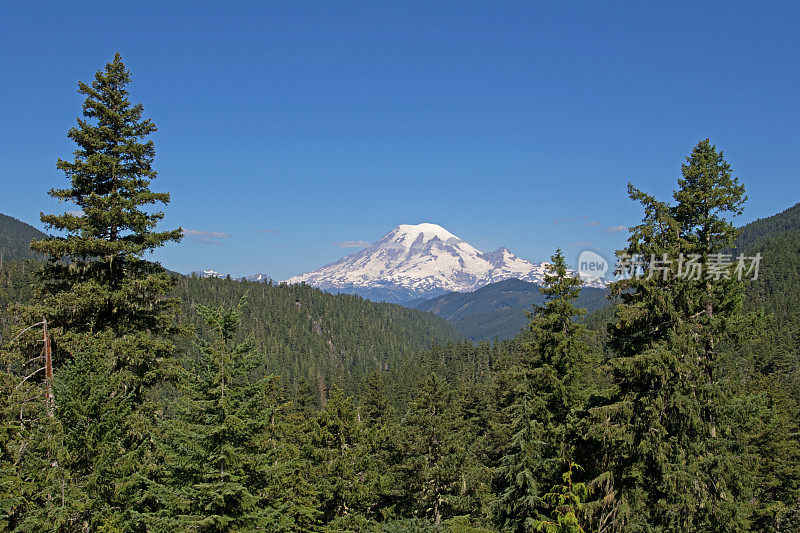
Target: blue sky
288,127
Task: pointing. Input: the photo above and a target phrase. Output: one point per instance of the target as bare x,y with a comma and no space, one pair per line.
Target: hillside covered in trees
311,339
499,310
15,239
132,399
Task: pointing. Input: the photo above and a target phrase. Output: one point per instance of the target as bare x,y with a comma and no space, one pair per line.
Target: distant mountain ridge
421,261
211,273
208,273
499,310
762,229
16,237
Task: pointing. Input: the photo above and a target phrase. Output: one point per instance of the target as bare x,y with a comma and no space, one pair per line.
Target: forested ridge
137,400
312,339
499,310
763,229
15,239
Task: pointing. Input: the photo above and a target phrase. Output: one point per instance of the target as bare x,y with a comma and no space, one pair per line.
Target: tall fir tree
542,408
105,283
383,433
217,448
431,471
674,466
349,479
107,305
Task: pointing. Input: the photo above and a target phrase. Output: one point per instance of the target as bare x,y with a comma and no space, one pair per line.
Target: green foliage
675,463
15,240
755,233
105,283
350,481
433,452
17,285
312,339
215,457
108,313
567,500
542,406
498,310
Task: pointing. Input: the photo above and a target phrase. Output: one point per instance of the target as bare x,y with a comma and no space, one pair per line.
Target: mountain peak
420,261
424,232
208,273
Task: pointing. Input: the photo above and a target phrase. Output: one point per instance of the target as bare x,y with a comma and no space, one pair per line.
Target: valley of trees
499,310
134,399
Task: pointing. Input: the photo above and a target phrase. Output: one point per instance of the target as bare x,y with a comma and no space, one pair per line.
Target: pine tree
542,407
567,500
215,449
433,451
107,305
480,416
348,478
290,497
382,431
521,484
105,282
558,352
674,467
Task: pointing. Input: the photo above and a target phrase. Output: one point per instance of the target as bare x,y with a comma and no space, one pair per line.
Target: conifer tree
349,479
521,484
542,408
105,283
567,500
433,451
107,307
214,447
383,433
674,465
480,416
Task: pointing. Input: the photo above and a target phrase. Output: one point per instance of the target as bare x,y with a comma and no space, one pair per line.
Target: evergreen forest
136,399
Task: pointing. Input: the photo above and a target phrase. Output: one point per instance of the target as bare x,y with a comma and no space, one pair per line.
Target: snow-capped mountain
208,273
420,261
258,277
211,273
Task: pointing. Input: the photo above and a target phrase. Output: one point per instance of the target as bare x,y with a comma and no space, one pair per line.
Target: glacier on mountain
421,261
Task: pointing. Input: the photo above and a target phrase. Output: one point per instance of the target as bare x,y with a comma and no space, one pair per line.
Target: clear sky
288,127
